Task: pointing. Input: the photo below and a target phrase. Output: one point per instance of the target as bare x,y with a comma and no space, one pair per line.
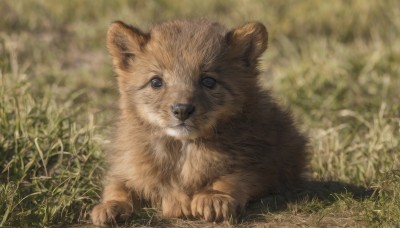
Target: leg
226,196
213,205
176,204
117,204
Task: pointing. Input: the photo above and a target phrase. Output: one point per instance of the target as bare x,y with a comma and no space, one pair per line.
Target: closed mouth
182,130
184,125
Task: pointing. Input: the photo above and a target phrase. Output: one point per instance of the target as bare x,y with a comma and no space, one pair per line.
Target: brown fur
237,145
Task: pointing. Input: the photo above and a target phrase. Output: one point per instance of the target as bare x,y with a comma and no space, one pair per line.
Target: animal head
185,77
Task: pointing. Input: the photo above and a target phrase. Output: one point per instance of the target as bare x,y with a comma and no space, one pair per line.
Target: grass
335,64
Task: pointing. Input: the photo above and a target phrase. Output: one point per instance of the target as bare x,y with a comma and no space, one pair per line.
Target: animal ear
124,42
248,42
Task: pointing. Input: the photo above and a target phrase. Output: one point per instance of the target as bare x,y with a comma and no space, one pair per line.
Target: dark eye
208,82
156,83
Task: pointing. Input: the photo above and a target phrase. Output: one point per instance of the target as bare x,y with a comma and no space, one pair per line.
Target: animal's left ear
248,42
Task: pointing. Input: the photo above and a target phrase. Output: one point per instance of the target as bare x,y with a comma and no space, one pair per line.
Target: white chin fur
181,133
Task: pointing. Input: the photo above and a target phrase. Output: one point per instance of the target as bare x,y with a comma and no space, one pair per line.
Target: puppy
196,135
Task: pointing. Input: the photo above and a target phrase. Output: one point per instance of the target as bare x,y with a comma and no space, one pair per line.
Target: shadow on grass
325,192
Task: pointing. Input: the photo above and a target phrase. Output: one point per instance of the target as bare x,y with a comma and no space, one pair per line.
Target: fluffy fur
233,144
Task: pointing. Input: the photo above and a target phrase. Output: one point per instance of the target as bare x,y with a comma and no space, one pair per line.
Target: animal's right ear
124,42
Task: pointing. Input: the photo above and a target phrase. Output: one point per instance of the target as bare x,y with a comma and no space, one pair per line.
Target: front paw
176,206
214,206
110,212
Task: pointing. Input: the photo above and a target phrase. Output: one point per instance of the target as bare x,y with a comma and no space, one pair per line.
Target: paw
110,212
176,206
213,206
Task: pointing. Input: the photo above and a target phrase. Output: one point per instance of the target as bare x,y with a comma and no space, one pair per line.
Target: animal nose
182,111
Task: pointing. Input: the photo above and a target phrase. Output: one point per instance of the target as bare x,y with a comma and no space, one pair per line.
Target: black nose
182,111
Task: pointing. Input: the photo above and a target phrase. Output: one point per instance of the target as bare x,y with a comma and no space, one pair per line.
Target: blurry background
336,64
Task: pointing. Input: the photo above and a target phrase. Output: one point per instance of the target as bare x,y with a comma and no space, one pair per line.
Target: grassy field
335,63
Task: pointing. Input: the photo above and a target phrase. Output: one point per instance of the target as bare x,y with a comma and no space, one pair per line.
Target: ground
336,64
